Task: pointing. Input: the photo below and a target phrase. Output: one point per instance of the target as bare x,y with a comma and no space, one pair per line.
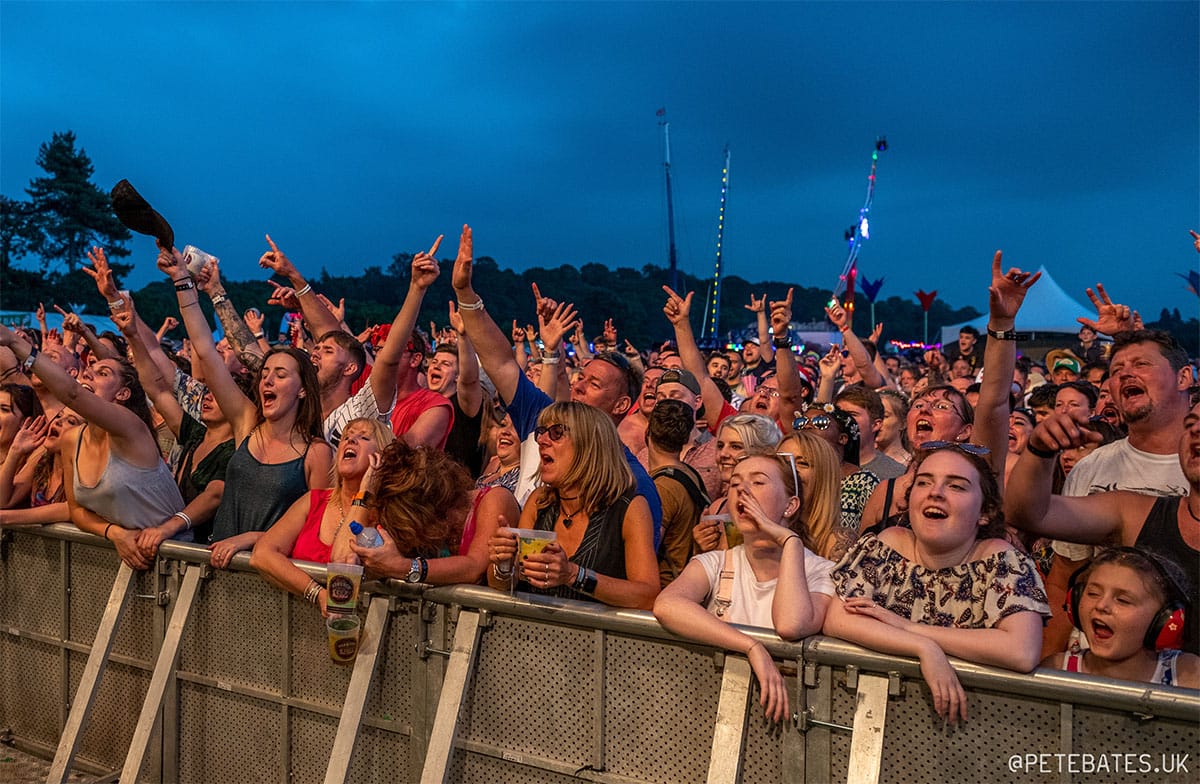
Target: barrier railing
190,674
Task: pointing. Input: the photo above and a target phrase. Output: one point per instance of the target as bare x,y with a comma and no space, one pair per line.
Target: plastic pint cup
343,637
530,542
342,583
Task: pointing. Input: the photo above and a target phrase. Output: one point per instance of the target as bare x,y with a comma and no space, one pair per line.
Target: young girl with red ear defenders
1131,605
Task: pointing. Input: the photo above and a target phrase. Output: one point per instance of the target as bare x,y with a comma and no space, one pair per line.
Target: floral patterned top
973,595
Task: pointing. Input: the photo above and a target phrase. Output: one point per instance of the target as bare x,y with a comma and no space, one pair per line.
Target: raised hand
126,320
71,321
254,320
518,333
172,264
460,279
837,314
284,296
456,319
677,308
30,435
561,321
530,334
1008,291
52,338
276,261
169,323
876,333
1111,317
832,361
425,269
756,305
1195,239
40,313
781,314
610,333
102,274
543,306
208,279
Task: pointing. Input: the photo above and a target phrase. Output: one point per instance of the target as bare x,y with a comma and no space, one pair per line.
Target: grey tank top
129,496
257,494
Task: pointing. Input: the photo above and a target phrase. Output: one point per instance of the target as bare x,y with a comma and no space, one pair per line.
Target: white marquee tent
1047,309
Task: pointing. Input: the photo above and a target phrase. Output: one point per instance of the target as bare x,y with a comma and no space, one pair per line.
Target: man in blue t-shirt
607,383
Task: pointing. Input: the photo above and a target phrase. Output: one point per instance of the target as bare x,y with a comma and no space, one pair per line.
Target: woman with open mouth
281,451
316,527
503,467
947,586
115,478
739,436
40,478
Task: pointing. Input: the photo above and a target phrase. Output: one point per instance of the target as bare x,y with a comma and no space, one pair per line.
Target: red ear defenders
1166,628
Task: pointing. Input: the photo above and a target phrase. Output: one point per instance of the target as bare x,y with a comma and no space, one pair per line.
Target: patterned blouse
973,595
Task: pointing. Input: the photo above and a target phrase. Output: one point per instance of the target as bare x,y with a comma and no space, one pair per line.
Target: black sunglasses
619,361
556,432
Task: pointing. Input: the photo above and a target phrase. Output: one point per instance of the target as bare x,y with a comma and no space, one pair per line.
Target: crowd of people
967,502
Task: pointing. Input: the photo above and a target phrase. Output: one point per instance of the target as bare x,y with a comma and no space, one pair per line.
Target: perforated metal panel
114,714
315,677
31,582
660,707
394,689
135,635
227,737
30,688
762,758
527,692
93,570
236,633
480,769
1095,731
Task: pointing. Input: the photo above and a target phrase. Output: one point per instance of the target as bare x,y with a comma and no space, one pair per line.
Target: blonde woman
315,528
739,435
819,470
604,550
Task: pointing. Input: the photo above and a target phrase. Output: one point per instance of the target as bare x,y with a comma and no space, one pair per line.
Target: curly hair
422,499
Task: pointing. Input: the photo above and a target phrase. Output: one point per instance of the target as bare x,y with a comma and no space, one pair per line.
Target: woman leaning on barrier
947,586
604,547
115,478
772,580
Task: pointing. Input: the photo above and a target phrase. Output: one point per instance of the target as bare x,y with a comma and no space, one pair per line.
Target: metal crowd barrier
188,674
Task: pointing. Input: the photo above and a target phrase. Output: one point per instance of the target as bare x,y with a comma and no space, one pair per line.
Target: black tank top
1160,533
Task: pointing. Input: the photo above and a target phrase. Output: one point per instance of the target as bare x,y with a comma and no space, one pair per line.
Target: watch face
414,572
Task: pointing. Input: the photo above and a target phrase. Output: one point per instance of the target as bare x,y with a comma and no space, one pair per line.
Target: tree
69,213
16,230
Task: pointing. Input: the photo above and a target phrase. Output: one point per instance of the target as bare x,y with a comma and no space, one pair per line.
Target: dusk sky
1067,134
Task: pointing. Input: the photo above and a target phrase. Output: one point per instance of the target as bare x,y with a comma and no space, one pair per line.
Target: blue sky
1067,134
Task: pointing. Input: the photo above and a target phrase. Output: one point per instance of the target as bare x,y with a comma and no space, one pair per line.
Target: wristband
1045,454
258,335
549,360
301,292
184,284
424,568
476,305
312,593
359,501
116,303
789,538
217,300
505,574
588,582
9,372
842,330
27,365
187,521
1008,334
783,342
110,525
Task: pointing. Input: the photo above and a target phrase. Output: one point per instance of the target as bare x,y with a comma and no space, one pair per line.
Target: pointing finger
271,242
436,244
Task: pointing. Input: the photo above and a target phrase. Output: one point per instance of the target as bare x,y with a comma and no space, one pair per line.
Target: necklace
1189,509
568,519
341,513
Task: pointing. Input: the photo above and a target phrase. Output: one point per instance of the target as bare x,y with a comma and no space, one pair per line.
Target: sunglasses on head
820,422
556,432
619,361
962,446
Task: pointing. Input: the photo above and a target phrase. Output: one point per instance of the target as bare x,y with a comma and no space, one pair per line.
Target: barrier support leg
454,688
373,636
729,735
866,744
85,695
164,669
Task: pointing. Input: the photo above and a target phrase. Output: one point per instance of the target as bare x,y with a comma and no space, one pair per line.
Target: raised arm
791,394
678,311
858,351
766,350
490,343
239,409
154,382
1005,295
239,335
320,319
469,389
387,361
555,320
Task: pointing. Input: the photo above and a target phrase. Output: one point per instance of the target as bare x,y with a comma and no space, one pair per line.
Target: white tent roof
1047,308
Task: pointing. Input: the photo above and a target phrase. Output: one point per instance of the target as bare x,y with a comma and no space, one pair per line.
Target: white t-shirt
361,405
1120,466
750,600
